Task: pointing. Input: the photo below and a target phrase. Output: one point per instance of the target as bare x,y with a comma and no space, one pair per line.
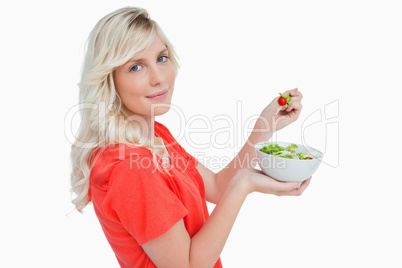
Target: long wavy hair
114,40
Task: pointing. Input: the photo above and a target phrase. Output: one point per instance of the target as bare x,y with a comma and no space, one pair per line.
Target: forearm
207,244
245,158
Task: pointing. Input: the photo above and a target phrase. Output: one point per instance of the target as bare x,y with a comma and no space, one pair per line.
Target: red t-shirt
136,203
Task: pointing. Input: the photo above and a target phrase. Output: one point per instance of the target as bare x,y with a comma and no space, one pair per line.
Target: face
145,83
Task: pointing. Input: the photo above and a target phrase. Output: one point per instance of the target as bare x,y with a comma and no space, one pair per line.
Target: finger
305,184
300,190
296,98
295,93
285,187
291,92
294,106
256,171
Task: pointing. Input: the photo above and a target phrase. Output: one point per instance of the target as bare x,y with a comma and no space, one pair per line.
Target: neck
146,124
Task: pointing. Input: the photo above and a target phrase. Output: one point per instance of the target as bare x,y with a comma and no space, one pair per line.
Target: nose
156,76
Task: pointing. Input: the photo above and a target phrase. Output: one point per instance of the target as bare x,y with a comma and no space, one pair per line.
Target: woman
148,193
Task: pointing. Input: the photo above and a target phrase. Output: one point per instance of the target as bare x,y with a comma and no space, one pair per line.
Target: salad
291,152
283,101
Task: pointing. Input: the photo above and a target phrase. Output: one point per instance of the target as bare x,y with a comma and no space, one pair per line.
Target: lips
158,94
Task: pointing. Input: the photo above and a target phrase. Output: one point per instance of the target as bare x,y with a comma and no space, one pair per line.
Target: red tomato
282,101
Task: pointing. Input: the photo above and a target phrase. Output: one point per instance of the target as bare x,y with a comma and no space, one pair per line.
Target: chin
161,110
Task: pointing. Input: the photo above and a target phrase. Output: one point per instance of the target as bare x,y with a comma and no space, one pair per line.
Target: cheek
171,76
126,86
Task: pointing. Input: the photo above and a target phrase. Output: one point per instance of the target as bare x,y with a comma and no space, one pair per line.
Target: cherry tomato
309,158
282,101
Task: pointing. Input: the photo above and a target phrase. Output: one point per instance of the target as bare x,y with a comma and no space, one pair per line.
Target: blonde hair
114,40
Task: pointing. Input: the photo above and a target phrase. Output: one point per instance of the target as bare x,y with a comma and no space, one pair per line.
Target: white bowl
284,169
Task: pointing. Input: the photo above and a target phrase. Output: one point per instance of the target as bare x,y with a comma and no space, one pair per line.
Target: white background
345,55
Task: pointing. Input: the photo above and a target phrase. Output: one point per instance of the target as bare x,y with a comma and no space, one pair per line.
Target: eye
162,59
136,68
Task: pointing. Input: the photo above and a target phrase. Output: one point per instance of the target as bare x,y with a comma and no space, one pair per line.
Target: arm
228,189
265,126
176,249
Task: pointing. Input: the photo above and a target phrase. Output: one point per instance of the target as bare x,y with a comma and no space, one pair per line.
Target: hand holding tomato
280,113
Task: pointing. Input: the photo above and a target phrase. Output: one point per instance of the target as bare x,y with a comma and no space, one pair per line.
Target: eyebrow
140,59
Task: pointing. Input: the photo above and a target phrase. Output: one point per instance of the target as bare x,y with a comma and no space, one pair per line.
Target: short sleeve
140,198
